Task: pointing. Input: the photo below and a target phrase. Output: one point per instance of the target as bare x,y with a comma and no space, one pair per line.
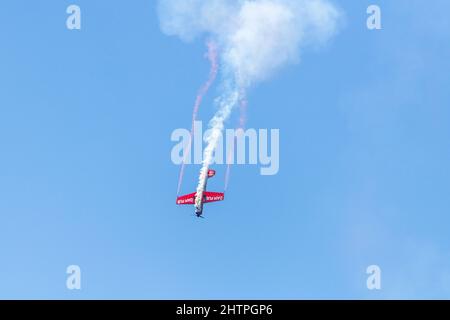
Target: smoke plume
255,38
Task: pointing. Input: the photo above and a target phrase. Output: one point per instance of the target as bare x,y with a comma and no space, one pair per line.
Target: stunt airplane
205,197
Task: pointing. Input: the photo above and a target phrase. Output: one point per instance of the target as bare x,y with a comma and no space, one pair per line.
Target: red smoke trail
243,103
212,57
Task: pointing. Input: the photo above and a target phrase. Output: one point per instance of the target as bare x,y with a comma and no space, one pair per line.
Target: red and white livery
207,197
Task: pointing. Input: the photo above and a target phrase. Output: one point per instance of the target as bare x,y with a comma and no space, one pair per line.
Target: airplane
206,197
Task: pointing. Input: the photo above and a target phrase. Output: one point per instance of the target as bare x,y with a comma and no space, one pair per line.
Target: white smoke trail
255,39
226,104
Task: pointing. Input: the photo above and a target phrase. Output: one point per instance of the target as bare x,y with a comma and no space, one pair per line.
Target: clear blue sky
86,176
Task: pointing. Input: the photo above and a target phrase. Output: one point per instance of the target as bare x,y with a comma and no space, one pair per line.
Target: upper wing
213,196
187,199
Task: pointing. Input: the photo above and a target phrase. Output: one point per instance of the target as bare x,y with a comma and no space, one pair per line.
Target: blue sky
86,176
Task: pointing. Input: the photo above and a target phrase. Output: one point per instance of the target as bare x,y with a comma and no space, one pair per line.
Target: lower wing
207,197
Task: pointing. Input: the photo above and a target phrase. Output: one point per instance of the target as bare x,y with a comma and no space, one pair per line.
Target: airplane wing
187,199
213,196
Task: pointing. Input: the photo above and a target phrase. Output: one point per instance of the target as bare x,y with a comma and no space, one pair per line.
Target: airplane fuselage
199,209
